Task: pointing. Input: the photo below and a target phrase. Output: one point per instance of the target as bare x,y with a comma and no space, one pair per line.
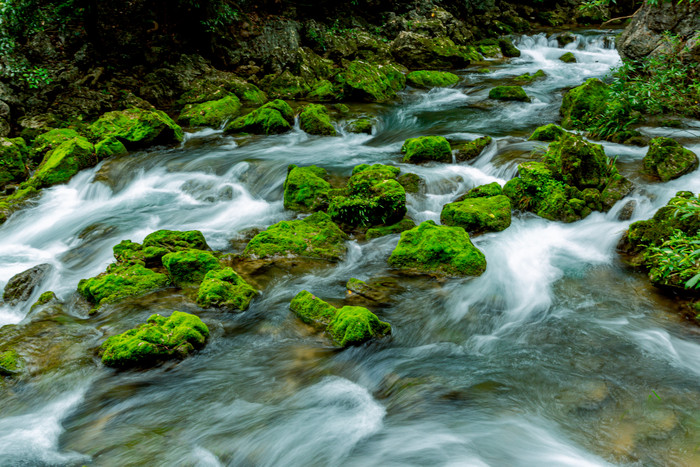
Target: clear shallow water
549,358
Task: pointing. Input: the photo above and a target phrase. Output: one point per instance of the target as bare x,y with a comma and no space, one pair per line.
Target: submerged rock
306,188
21,286
426,148
136,127
272,118
509,93
211,114
667,159
225,289
159,339
472,149
431,79
438,249
377,290
314,120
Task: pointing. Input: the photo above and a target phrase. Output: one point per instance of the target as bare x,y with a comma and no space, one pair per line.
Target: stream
557,355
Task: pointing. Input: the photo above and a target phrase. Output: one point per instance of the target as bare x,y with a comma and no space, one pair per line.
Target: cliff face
644,36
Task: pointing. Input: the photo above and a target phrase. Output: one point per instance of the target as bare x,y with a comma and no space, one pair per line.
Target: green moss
361,125
316,236
110,147
285,86
550,132
401,226
174,240
583,104
472,149
373,196
438,249
13,160
507,48
314,119
578,162
489,51
203,90
159,339
481,214
426,148
9,363
188,267
324,91
509,93
528,78
211,114
49,141
44,298
312,310
306,188
410,182
568,57
248,93
225,289
137,127
483,191
354,325
667,159
431,79
60,164
121,281
272,118
371,82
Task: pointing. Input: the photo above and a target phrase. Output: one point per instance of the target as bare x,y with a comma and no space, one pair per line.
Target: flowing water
557,355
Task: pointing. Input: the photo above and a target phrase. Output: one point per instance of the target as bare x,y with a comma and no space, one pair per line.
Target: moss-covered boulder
573,179
479,214
370,82
314,120
347,326
285,85
324,91
431,79
550,132
372,196
272,118
509,93
110,147
420,52
159,339
361,125
507,48
316,236
211,114
175,240
483,191
136,127
438,249
489,50
401,226
60,164
470,150
568,57
121,280
204,90
48,141
667,159
225,289
188,267
426,149
582,104
13,161
528,78
306,188
248,93
410,182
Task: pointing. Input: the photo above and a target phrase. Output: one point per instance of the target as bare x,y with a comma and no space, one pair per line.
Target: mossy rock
420,52
176,240
373,196
272,118
583,104
314,120
203,90
431,79
316,236
188,267
482,191
161,338
578,162
507,48
509,93
438,249
381,231
211,114
528,78
369,82
21,286
110,147
136,127
285,86
472,149
121,281
667,159
378,290
46,297
324,91
13,161
60,164
354,325
410,182
312,310
306,188
479,214
225,289
550,132
489,50
426,149
49,141
10,363
247,93
359,126
568,57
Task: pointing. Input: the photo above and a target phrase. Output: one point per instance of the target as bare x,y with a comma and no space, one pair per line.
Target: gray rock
21,286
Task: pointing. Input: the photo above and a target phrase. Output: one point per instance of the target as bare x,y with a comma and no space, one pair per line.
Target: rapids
548,358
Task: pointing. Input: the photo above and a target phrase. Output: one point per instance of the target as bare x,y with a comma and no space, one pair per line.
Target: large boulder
426,149
667,159
583,104
509,93
187,268
212,113
21,286
159,339
371,82
121,280
13,161
272,118
437,249
314,120
49,141
226,290
471,149
418,51
306,188
137,127
60,164
550,132
478,214
431,79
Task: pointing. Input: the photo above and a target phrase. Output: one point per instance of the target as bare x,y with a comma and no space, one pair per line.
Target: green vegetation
509,93
225,289
188,267
401,226
312,310
13,155
211,114
9,363
472,149
568,57
272,118
161,338
426,148
121,281
431,79
361,125
550,132
60,164
478,214
306,188
137,127
314,120
667,159
110,147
